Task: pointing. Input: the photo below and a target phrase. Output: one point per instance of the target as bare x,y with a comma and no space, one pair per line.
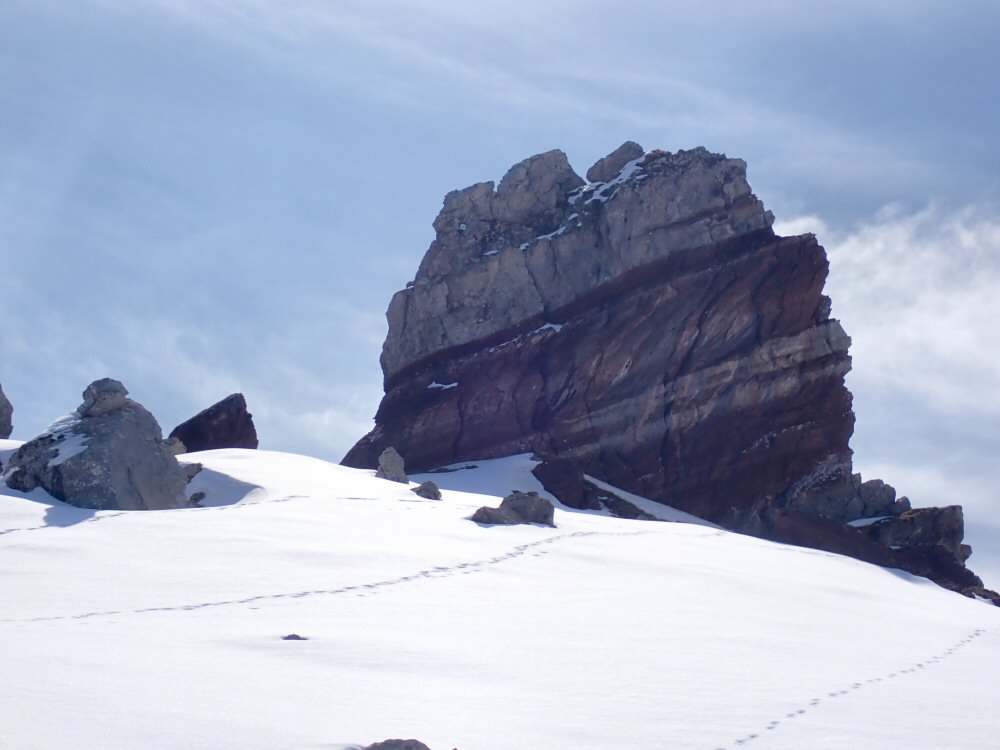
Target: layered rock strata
645,327
107,454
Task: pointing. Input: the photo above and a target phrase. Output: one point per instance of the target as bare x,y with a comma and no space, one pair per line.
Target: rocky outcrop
645,327
108,454
518,508
6,412
226,424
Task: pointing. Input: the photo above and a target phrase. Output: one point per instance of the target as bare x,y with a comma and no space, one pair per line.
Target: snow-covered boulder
108,454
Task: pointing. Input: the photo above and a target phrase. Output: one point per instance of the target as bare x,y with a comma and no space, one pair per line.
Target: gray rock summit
507,260
108,454
6,412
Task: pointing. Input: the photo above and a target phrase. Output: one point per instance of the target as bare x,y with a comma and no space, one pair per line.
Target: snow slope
163,629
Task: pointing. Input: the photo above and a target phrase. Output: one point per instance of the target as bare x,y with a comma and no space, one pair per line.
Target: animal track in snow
813,703
360,589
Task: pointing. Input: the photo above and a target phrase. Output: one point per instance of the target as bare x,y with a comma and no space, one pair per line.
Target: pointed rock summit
646,328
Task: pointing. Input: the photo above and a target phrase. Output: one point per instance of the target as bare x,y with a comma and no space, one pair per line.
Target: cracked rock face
109,454
646,328
6,412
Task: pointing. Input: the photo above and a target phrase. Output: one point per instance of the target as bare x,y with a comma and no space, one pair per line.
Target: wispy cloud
917,293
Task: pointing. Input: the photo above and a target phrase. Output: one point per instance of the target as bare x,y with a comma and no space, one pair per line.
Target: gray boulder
517,508
428,490
109,454
6,411
397,745
390,466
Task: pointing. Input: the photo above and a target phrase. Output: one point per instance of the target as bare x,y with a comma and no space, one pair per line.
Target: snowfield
163,629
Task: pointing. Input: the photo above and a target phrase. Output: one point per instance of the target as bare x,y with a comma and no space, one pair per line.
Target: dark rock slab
6,413
518,508
226,424
565,481
108,454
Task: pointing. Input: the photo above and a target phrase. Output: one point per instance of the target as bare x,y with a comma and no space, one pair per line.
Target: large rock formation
108,454
6,412
226,424
647,328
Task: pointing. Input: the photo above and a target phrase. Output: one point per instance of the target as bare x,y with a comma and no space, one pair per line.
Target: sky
199,197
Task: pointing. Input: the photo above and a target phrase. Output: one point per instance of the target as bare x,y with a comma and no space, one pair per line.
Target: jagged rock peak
505,260
6,412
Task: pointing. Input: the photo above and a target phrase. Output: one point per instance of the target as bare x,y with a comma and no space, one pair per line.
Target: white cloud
917,292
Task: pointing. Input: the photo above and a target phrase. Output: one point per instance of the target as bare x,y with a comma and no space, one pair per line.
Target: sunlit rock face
645,327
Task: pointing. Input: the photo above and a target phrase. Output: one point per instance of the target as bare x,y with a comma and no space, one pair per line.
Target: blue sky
199,197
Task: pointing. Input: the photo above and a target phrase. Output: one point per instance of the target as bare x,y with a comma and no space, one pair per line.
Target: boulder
108,454
518,508
427,490
390,466
226,424
397,745
6,412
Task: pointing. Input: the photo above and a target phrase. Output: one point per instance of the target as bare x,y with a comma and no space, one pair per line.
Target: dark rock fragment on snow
226,424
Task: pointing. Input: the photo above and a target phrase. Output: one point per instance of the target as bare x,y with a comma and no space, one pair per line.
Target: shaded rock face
108,454
226,424
6,413
647,328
